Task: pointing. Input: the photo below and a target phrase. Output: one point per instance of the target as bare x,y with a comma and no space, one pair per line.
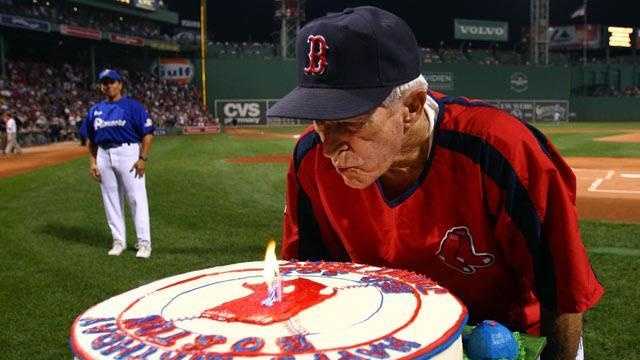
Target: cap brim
110,78
328,104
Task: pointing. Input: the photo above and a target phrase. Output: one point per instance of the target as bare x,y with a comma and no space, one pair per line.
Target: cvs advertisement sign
241,111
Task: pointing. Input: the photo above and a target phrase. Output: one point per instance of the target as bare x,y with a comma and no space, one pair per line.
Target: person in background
119,132
11,129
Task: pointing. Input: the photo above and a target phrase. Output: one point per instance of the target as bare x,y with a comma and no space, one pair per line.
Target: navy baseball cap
348,63
109,74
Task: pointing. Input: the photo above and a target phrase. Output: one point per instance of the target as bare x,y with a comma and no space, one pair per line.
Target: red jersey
492,217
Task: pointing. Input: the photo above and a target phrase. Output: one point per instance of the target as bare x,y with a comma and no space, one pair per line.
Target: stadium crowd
50,101
78,15
612,91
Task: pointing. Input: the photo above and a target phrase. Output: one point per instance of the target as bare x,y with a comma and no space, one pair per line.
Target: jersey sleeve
86,129
301,236
537,227
290,239
142,122
307,233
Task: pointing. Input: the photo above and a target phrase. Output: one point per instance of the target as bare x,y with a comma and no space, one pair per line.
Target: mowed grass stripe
615,251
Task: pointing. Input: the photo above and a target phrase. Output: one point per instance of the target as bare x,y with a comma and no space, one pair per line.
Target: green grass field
576,139
207,212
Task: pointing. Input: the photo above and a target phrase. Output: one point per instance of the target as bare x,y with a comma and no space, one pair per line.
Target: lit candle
271,275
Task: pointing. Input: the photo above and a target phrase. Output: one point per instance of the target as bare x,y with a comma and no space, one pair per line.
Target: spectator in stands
632,90
48,98
72,13
12,134
55,129
556,116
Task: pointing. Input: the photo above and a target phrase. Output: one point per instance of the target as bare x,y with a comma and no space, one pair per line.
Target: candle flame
270,270
271,275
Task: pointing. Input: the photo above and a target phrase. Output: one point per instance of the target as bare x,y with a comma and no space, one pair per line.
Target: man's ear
414,103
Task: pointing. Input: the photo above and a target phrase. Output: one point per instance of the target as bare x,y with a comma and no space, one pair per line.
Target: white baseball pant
117,181
12,144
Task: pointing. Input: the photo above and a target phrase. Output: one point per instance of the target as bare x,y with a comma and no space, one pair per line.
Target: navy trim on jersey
542,140
518,205
310,244
304,145
423,175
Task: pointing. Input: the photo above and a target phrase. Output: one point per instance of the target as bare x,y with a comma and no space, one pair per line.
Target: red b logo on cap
317,55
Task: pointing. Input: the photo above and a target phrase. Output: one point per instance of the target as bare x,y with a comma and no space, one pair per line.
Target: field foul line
609,175
616,191
595,184
615,251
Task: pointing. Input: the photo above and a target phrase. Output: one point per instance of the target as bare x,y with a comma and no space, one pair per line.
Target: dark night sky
432,21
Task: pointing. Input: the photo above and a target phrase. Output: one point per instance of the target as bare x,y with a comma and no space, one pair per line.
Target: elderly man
393,174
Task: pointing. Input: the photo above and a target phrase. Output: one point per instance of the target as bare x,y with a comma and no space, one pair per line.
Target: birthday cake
323,311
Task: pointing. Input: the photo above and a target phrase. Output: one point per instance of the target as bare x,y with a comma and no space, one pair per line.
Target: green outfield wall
526,89
249,78
618,76
499,82
585,80
605,108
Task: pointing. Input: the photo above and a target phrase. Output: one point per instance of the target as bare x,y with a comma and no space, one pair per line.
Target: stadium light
620,36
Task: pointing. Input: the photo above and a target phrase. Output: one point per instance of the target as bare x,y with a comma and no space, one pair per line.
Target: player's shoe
137,245
144,251
117,249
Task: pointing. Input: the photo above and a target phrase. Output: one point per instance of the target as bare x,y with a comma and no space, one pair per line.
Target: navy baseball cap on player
348,63
109,74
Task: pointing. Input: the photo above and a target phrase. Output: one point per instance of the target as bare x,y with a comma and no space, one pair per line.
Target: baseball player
12,135
392,174
119,133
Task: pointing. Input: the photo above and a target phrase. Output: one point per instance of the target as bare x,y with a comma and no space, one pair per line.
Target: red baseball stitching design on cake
327,311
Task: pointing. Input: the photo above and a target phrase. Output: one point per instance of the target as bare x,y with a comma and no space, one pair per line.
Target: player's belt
111,145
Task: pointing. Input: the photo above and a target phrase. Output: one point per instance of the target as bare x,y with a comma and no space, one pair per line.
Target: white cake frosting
327,311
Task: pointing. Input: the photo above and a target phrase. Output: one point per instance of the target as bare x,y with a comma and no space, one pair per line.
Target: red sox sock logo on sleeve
317,55
458,251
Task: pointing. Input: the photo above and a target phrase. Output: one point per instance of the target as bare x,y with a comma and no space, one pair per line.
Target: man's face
110,87
362,148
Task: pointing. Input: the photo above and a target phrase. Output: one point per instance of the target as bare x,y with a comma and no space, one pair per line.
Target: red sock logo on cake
303,294
458,251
